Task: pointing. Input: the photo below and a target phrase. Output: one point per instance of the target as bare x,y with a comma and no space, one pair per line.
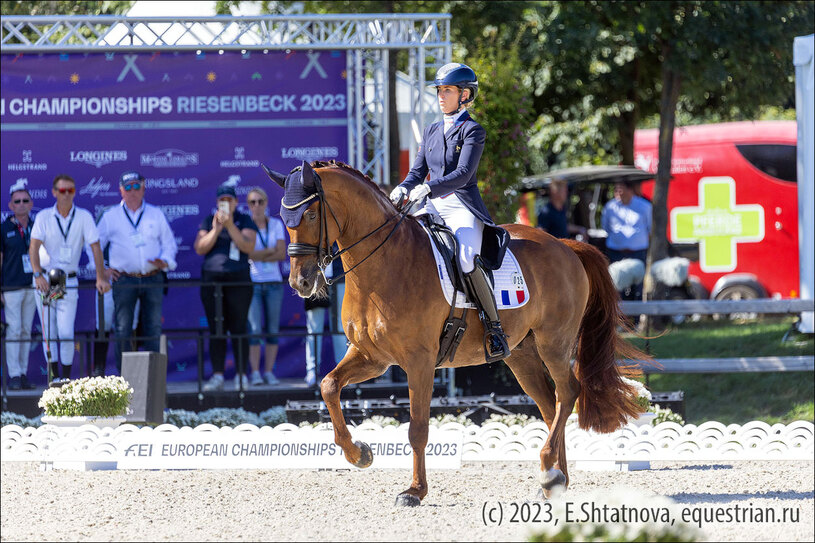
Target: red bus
733,197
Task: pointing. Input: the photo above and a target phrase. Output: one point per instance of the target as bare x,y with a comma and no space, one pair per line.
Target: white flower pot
72,422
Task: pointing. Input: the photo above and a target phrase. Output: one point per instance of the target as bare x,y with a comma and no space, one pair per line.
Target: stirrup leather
495,342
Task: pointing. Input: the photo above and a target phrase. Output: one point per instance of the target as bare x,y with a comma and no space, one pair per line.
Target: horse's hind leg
556,407
354,368
531,374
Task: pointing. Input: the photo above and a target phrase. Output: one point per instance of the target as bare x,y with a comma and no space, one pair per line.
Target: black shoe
15,383
26,384
98,372
495,344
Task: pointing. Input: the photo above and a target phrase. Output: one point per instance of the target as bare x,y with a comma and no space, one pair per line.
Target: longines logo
240,160
309,153
169,158
173,212
98,158
27,163
94,187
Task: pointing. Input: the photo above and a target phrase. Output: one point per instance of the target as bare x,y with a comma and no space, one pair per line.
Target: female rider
450,153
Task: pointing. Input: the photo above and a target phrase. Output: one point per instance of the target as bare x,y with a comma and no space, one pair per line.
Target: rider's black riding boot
66,372
495,341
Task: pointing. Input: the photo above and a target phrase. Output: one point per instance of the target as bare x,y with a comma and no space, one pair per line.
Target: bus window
777,161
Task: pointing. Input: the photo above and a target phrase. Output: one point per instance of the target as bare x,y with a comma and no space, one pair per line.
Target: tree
64,7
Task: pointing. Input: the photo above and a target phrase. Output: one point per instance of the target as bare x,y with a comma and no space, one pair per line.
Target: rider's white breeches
467,227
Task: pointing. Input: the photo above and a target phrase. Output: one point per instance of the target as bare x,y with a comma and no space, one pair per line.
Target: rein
324,255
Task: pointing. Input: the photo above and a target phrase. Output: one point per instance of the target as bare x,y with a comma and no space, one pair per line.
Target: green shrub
88,397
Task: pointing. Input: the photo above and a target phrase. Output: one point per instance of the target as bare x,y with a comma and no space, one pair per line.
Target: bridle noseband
324,255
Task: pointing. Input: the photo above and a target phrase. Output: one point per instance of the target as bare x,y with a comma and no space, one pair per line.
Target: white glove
419,192
398,194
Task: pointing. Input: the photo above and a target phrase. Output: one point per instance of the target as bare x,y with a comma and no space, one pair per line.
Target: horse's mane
354,172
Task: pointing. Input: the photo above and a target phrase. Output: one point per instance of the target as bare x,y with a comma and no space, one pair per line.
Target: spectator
270,248
142,246
17,295
57,239
316,309
225,240
627,220
553,218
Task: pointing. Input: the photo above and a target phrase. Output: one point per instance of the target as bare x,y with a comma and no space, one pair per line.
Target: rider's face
449,96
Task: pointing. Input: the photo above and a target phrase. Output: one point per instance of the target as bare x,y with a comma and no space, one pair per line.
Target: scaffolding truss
367,38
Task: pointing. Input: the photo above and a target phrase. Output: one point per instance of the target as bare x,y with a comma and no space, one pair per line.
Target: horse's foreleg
354,368
420,385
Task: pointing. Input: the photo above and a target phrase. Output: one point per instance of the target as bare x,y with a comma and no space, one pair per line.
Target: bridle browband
324,255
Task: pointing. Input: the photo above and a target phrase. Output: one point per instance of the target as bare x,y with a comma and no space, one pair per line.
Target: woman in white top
270,248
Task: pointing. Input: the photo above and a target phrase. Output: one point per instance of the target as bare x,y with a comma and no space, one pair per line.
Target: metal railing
723,307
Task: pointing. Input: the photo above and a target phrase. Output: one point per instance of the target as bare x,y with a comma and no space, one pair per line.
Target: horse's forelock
333,164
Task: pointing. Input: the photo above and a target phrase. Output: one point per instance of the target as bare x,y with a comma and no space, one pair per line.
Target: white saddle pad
510,287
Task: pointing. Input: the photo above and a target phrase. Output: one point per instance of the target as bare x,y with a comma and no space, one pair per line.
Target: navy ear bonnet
302,188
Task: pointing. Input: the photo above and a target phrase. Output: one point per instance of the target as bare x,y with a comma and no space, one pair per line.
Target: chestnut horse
394,309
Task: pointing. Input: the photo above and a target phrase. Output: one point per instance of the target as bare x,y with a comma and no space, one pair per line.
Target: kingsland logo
98,158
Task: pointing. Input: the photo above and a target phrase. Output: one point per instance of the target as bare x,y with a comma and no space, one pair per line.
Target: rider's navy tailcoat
452,160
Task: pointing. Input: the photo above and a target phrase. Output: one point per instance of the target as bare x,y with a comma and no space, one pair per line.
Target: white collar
127,209
455,116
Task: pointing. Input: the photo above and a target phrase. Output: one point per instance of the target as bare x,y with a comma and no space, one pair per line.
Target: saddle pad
510,287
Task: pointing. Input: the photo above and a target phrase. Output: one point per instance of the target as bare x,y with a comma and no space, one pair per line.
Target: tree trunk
658,244
629,119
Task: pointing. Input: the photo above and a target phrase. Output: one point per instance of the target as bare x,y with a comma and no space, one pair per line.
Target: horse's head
311,225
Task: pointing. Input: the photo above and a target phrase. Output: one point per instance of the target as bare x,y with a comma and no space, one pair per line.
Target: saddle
493,247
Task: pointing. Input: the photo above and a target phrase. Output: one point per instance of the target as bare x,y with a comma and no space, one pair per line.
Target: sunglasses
23,201
132,186
255,202
69,190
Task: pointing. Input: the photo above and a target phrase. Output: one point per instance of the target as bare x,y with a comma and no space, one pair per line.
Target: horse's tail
605,402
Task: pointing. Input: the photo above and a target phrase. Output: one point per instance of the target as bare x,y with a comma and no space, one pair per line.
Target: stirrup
494,334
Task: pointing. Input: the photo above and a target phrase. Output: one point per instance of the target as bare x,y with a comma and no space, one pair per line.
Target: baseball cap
129,177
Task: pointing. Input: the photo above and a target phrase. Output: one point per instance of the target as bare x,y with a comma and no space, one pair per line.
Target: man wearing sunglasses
57,239
18,296
142,246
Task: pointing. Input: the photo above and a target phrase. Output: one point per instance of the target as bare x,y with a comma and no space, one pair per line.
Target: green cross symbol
718,224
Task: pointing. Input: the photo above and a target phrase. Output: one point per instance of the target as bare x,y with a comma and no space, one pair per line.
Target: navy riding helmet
458,75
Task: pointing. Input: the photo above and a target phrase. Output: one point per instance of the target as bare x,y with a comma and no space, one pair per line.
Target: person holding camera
57,239
225,240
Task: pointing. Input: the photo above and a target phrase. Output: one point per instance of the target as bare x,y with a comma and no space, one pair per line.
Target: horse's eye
311,215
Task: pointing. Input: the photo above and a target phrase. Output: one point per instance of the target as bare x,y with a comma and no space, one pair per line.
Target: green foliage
65,7
88,397
7,417
181,418
274,416
504,109
664,414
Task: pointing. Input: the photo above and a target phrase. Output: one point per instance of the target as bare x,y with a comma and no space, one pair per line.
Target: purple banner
187,122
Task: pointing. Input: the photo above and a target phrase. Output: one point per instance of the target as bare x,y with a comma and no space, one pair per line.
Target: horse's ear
278,178
309,177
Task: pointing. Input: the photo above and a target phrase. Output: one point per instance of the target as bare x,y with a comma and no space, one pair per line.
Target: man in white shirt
142,246
57,238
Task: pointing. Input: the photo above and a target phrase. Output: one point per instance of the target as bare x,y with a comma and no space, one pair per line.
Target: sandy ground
296,505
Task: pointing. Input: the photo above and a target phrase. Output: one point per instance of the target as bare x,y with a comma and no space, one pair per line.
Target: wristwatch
37,274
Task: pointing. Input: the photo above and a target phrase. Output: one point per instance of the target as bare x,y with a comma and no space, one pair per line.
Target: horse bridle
324,255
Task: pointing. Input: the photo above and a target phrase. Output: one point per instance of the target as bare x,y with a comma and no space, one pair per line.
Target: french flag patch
512,297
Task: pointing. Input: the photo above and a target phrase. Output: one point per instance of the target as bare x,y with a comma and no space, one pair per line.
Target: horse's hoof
553,483
366,456
407,500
